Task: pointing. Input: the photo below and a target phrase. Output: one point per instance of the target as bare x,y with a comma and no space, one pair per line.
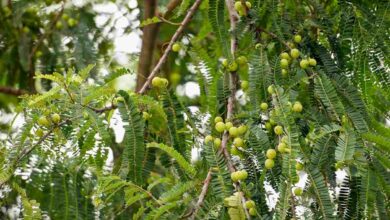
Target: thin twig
202,195
164,57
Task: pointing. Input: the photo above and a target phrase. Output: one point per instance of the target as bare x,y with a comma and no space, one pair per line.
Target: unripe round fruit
175,78
297,38
39,132
285,55
242,60
284,72
297,107
264,106
164,82
271,153
278,130
157,82
250,204
218,119
270,89
291,44
299,166
220,127
233,131
284,63
244,85
119,99
26,30
59,25
176,47
242,174
284,139
272,121
42,121
217,142
65,16
228,125
269,163
252,211
208,138
38,53
225,63
72,22
234,176
248,5
294,53
268,126
304,64
298,191
238,6
282,147
242,129
312,62
233,66
56,118
238,142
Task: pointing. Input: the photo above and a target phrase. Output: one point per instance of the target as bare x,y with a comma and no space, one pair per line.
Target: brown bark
148,43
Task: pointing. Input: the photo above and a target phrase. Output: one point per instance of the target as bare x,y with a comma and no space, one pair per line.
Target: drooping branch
12,91
174,38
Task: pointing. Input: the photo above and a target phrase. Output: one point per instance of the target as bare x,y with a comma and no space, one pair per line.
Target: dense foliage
292,95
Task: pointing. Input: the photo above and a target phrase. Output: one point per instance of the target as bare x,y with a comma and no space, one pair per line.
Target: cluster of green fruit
286,59
234,204
239,175
240,8
233,65
71,22
44,122
159,82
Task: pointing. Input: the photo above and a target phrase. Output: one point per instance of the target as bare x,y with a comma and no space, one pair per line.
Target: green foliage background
79,171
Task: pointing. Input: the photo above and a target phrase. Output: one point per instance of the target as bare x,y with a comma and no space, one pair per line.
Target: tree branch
174,38
12,91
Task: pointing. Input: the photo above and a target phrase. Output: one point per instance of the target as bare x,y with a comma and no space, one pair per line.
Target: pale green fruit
252,211
238,142
56,118
220,127
271,89
312,62
264,106
304,64
217,142
298,191
269,163
238,6
208,139
248,5
218,119
284,72
297,38
284,63
244,85
242,174
225,63
228,125
278,130
242,60
271,153
176,47
233,66
294,53
233,131
242,129
42,121
285,55
250,204
298,166
297,107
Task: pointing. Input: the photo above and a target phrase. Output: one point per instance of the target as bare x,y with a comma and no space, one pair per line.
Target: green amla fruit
284,72
238,6
312,62
304,64
217,142
225,63
234,151
298,191
175,78
285,55
264,106
242,60
59,25
269,163
176,47
39,132
252,211
242,174
220,127
208,139
159,82
42,121
233,66
242,129
282,148
250,204
228,125
271,89
248,5
238,142
294,53
278,130
56,118
233,131
271,153
297,107
297,38
284,63
218,119
268,126
234,176
72,22
146,116
298,166
244,85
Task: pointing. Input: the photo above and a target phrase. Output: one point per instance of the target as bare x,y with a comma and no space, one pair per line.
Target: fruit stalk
174,38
